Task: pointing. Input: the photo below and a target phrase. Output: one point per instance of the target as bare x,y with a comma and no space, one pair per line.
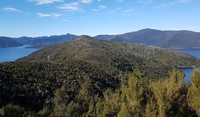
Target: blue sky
92,17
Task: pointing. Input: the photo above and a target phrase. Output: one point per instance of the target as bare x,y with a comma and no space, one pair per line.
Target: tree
12,111
194,92
170,94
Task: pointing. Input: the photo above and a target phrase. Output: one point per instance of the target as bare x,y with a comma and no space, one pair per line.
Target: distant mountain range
8,42
164,39
35,41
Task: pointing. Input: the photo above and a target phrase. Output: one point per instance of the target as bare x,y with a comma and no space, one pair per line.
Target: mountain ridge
8,42
170,39
182,39
43,41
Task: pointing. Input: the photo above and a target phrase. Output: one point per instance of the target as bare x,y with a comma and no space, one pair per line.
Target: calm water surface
188,72
14,53
195,53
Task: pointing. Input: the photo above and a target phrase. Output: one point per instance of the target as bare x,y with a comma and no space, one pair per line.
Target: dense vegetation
30,83
74,96
164,39
89,77
113,53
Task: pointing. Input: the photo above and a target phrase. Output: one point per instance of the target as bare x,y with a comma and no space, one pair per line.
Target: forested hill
165,39
91,77
91,49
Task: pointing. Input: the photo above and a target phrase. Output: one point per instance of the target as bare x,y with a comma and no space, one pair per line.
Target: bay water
188,72
13,53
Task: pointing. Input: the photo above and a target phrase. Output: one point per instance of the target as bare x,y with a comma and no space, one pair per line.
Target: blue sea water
188,72
13,53
195,53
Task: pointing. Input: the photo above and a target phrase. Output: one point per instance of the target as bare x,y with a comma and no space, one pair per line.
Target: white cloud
11,9
43,15
183,1
146,1
54,15
99,0
40,2
172,3
86,1
121,0
70,7
115,10
102,6
128,12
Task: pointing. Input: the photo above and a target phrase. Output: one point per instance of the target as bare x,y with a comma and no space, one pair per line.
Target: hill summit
121,56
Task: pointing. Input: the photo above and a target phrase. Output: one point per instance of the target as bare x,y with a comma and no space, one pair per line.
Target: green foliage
88,77
170,92
111,103
138,96
43,112
12,111
151,106
29,84
134,94
142,97
61,99
194,92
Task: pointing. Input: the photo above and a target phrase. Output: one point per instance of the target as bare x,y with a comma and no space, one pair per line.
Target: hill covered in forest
91,49
165,39
91,77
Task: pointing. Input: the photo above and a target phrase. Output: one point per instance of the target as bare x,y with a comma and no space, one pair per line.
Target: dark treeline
91,92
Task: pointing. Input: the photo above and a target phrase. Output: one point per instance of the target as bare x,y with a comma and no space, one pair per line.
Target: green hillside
90,77
110,53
